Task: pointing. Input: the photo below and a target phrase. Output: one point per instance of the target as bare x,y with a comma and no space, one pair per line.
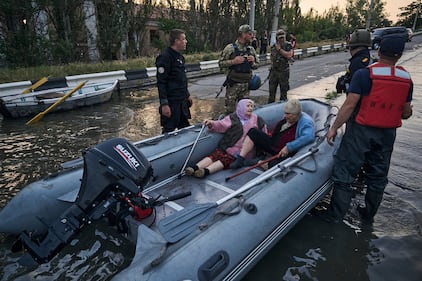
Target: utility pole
416,16
369,15
252,15
275,22
91,30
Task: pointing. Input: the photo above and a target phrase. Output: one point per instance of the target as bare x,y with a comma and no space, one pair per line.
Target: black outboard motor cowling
115,163
111,169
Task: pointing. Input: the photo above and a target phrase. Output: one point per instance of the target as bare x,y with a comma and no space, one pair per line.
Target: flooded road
313,250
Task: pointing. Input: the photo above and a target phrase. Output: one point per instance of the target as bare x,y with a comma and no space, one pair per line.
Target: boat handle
213,266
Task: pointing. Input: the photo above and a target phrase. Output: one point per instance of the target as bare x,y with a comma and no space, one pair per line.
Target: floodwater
391,249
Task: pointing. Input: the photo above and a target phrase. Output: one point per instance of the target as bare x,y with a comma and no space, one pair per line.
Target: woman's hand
209,123
283,152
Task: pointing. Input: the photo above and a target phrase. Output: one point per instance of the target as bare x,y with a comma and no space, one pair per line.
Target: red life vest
383,107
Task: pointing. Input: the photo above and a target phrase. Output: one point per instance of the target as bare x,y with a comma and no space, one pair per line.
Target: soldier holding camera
238,59
281,53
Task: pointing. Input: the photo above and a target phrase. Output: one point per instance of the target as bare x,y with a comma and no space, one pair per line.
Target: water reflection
95,255
330,254
29,153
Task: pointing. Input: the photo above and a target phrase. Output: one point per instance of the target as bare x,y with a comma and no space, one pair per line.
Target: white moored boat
24,105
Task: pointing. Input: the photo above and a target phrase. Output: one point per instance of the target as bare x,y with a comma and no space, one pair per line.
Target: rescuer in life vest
381,94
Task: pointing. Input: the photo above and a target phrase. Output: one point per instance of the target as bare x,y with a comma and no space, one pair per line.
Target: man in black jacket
172,84
359,42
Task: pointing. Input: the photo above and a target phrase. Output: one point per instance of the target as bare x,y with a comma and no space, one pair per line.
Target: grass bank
35,73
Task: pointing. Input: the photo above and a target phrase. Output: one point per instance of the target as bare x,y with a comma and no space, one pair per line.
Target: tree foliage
53,31
410,15
357,14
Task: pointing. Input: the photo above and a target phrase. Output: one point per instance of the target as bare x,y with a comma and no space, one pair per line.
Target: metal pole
369,15
275,22
416,16
252,15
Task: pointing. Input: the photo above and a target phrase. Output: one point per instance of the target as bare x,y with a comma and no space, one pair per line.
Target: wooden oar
35,85
260,163
41,114
182,223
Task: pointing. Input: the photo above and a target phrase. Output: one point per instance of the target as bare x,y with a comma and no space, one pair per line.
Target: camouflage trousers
278,78
235,93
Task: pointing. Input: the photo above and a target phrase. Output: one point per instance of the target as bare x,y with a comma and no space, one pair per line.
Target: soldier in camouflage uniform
238,59
281,53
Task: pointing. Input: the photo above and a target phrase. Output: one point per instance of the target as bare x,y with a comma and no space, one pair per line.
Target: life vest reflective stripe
383,106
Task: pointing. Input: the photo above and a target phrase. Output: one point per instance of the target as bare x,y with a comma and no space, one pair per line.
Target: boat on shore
25,105
183,227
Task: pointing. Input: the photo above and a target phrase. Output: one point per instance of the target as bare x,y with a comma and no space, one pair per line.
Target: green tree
357,14
20,44
113,20
209,26
333,24
411,15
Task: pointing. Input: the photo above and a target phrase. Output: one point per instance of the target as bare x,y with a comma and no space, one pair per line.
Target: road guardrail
146,77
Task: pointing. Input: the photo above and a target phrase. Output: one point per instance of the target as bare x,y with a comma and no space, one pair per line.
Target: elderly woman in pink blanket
235,126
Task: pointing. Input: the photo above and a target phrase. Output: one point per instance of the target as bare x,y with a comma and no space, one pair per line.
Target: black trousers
359,145
262,141
180,114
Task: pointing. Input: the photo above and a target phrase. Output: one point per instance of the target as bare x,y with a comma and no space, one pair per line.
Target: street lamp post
416,16
275,22
252,15
369,15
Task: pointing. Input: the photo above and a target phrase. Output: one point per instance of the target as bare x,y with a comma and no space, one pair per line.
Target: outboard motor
112,169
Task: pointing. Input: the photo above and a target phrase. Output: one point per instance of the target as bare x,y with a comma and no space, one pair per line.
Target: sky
391,6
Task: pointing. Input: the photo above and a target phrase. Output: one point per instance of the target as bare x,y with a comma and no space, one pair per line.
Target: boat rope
233,210
310,170
157,139
319,140
157,260
230,210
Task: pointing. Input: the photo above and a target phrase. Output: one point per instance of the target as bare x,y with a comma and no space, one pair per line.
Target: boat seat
50,96
53,82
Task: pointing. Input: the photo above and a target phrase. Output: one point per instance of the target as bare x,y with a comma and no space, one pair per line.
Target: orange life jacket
383,107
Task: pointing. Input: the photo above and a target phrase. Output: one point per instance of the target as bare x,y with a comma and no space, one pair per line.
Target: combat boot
339,205
372,202
340,201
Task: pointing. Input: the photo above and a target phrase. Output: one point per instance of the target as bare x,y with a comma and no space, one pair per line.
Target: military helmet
245,28
255,82
360,38
280,33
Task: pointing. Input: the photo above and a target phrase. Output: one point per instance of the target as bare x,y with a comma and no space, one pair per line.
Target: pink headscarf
241,110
